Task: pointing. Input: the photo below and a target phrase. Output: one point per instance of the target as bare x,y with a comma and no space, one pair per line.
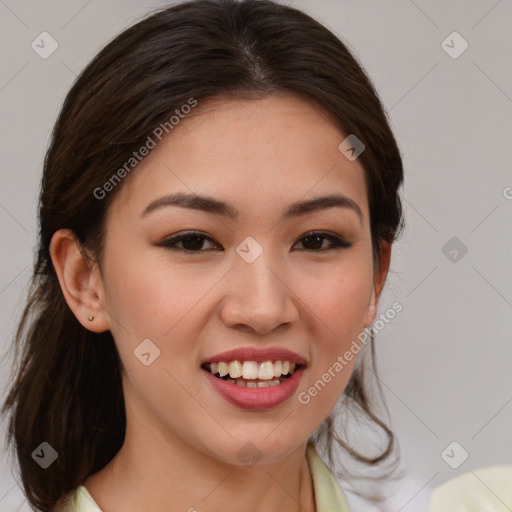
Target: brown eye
313,241
190,242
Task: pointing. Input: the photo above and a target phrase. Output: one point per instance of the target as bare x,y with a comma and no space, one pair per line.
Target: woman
218,206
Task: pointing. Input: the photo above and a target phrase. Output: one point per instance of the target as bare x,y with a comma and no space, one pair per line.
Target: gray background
445,359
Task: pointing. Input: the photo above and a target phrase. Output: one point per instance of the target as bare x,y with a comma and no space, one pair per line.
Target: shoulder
488,489
77,501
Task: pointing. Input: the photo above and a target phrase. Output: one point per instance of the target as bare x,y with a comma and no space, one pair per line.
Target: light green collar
328,494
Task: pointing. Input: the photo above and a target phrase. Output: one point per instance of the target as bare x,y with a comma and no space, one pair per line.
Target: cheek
150,301
149,297
339,298
339,306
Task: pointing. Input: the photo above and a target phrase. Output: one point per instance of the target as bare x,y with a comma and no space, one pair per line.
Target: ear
79,280
379,279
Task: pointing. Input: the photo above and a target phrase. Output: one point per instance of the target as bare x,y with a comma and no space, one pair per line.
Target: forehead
255,153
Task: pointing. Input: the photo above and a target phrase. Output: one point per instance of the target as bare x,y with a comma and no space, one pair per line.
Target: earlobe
79,281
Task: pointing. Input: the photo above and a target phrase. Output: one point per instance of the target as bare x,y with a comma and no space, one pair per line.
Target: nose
260,296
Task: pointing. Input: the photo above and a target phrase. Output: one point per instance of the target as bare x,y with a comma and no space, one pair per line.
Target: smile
252,374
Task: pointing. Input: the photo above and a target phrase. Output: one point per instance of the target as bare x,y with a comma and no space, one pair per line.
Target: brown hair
199,49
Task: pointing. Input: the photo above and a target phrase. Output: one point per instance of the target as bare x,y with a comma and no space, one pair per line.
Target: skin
182,438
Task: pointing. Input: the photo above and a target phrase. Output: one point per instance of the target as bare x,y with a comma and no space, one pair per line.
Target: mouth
253,374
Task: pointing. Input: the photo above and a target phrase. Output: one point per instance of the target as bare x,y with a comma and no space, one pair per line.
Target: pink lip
259,355
255,398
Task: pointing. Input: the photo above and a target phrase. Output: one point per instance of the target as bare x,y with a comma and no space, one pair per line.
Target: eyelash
337,242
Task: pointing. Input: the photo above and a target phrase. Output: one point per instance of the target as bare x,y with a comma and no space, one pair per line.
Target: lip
259,355
255,398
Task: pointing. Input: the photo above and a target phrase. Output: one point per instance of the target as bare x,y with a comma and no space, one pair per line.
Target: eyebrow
214,206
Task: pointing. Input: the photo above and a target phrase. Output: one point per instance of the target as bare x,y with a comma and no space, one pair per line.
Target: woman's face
252,282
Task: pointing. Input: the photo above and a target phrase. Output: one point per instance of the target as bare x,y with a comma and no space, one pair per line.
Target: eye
193,241
315,239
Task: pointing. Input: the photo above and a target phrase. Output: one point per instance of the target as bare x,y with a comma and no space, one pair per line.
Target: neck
150,473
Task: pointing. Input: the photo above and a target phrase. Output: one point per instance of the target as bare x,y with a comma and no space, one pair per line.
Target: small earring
91,318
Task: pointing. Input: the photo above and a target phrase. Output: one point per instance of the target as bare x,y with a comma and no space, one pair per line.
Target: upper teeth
252,369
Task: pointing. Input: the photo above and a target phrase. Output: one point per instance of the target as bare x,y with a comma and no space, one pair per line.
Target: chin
251,451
